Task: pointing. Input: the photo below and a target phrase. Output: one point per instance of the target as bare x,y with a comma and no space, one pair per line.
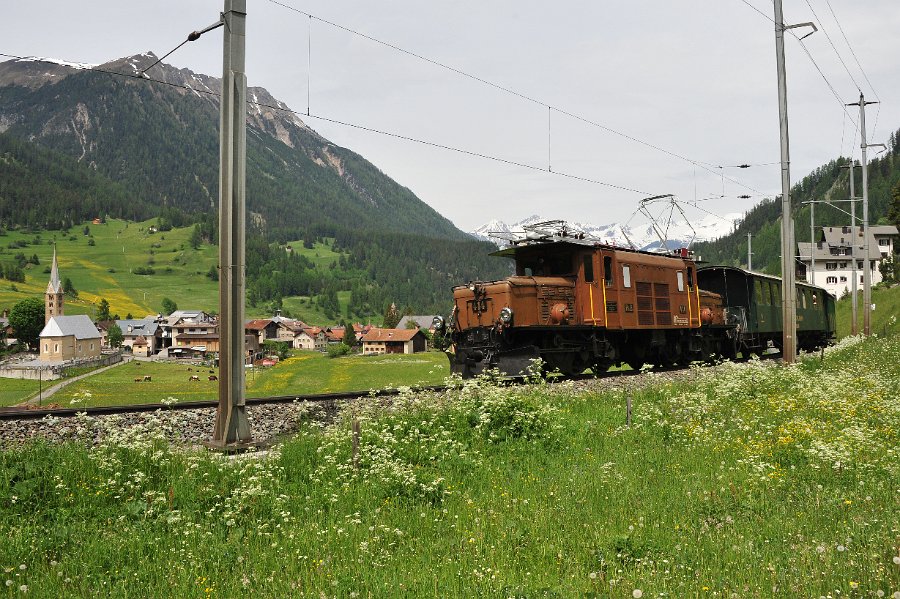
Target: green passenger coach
753,303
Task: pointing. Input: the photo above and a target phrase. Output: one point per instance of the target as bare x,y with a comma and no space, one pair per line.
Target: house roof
258,324
103,325
64,326
423,322
136,328
140,341
187,314
382,335
195,325
884,230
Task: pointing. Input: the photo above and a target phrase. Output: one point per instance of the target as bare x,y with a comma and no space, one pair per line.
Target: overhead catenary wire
833,47
472,153
702,164
858,64
811,59
852,53
169,53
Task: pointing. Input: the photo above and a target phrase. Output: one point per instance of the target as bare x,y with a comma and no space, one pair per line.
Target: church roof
79,325
54,286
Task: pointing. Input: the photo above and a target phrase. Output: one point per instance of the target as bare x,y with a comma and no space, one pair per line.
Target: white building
836,249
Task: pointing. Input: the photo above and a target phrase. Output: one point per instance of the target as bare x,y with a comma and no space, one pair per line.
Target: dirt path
45,394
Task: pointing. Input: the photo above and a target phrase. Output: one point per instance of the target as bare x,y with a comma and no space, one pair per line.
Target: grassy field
751,480
313,372
306,372
13,391
884,317
106,269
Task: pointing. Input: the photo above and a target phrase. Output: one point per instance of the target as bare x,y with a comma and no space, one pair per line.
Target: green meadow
745,480
305,372
13,391
108,268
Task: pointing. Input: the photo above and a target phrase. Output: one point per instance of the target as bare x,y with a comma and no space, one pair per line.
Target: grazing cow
147,378
213,377
194,377
138,380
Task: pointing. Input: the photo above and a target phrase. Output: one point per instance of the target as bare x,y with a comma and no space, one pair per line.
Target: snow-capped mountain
642,236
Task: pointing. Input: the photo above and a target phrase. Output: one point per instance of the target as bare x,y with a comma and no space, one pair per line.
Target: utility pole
749,252
812,243
867,269
854,320
788,269
232,428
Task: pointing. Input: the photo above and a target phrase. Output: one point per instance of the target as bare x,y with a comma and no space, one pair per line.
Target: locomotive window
815,298
607,270
589,268
680,276
626,275
772,294
690,278
759,293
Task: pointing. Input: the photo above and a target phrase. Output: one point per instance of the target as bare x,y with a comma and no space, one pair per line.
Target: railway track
14,413
38,413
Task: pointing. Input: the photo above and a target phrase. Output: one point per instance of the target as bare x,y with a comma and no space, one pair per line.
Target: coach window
680,276
626,275
589,268
607,270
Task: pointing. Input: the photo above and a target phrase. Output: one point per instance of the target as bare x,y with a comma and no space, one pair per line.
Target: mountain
77,143
643,236
161,141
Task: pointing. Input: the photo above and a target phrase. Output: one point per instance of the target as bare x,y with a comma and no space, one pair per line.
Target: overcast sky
696,78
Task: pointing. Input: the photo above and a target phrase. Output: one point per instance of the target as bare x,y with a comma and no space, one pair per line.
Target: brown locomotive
579,304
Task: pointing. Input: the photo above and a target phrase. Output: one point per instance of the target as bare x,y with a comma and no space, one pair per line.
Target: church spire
54,297
54,286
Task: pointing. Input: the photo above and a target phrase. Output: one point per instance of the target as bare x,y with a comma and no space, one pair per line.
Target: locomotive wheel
635,357
563,362
601,366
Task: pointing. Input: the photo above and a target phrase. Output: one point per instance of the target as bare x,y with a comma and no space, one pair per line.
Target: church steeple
53,298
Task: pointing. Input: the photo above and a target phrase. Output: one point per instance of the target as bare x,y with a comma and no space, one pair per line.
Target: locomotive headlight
438,323
472,287
506,315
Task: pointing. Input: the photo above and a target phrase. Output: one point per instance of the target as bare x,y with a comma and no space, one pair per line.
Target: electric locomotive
575,303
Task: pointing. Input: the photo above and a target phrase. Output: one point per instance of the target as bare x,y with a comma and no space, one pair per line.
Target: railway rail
14,413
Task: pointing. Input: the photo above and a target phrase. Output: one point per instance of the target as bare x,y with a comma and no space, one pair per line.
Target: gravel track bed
269,422
180,427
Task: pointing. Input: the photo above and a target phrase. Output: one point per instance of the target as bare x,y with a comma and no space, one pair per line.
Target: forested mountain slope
829,182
